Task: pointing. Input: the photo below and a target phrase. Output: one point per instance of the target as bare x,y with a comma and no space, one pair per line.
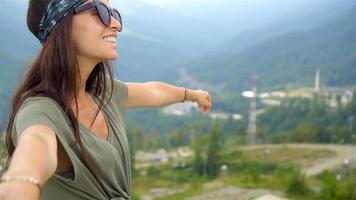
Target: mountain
288,59
137,52
213,44
158,40
178,32
144,60
15,39
312,16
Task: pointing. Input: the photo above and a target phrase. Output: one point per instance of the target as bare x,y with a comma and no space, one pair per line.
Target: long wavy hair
55,73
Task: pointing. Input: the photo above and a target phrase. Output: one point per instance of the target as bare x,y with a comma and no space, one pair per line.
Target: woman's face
90,36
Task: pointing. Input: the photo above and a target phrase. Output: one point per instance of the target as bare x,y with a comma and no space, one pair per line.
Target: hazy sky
171,3
219,7
245,13
186,3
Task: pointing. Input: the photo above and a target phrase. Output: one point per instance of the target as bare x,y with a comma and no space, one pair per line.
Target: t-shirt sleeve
120,92
31,113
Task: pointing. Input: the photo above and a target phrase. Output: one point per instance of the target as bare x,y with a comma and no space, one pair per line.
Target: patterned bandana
55,12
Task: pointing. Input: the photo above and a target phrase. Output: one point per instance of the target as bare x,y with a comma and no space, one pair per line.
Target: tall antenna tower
252,128
317,80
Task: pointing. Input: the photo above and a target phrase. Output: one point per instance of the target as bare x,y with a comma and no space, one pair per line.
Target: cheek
81,40
85,37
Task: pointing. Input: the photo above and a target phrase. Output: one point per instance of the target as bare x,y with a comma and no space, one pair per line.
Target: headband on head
54,13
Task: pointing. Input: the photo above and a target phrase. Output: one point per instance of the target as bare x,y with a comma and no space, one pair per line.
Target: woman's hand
202,98
19,190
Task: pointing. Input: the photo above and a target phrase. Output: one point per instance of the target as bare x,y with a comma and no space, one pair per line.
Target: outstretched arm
35,156
156,94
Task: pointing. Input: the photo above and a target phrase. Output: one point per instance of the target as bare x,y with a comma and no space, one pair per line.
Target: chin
111,57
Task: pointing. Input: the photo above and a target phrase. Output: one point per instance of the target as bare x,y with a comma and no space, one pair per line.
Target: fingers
205,108
203,100
208,98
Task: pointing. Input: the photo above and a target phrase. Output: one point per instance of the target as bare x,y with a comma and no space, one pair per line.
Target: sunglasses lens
104,14
117,16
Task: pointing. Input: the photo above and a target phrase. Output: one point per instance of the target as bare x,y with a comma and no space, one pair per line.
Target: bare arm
156,94
35,156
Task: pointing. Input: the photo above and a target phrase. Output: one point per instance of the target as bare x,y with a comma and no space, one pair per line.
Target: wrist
30,181
188,95
20,190
192,95
185,91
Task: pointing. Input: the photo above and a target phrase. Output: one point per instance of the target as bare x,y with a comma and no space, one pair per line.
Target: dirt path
234,193
319,165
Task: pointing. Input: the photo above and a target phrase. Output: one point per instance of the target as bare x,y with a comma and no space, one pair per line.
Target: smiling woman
66,136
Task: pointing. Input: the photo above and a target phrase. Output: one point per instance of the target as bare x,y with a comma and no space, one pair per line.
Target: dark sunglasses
105,13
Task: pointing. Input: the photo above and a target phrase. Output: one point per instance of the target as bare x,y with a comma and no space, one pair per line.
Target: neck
86,66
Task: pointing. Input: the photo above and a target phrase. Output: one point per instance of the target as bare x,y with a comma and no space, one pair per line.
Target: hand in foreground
203,99
18,190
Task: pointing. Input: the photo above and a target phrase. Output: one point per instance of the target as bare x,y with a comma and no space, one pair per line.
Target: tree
199,148
135,139
153,140
178,138
214,147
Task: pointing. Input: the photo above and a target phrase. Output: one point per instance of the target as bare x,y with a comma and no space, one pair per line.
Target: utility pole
252,128
317,80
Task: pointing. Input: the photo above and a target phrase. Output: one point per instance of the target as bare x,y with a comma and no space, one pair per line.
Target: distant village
145,159
333,97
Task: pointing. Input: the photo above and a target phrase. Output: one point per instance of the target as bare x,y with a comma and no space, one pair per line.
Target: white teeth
110,39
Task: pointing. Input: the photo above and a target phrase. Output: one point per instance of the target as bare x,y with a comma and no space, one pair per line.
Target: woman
66,135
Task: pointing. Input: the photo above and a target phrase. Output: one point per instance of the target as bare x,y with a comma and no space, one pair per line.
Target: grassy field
247,168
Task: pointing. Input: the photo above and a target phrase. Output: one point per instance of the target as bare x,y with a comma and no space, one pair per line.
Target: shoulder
120,86
36,111
34,106
43,105
119,91
39,104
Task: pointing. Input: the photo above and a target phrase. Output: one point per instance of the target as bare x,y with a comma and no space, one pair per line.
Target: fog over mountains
161,38
290,58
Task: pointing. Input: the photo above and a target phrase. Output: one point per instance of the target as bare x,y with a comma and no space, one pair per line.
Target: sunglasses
104,12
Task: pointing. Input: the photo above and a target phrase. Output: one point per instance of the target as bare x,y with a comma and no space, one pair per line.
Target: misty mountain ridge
288,59
298,22
154,48
282,47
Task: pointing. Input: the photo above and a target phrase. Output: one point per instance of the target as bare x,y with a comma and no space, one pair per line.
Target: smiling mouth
110,39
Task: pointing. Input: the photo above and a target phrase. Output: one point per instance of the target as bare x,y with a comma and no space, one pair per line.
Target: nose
115,24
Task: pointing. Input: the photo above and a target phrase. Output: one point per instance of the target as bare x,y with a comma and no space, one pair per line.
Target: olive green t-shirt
111,156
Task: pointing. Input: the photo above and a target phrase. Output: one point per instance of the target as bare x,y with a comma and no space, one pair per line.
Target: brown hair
55,74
